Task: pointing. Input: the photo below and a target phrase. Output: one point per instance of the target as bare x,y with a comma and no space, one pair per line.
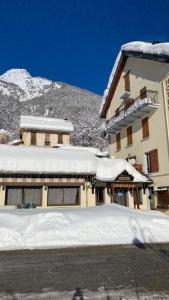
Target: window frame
23,193
64,187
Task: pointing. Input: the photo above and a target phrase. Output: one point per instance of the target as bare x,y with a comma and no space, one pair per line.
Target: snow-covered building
42,131
136,106
66,177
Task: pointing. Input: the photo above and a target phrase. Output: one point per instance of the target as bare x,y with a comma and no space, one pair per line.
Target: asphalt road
141,269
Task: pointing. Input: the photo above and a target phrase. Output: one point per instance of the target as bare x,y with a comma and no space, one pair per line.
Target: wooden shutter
129,136
60,138
154,160
127,81
118,142
117,112
33,138
143,93
145,127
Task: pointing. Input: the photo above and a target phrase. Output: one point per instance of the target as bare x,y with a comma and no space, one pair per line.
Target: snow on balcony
138,108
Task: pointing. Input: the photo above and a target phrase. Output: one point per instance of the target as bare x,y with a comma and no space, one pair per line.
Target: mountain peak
13,74
31,86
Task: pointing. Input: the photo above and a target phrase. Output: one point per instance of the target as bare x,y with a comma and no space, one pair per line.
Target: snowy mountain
20,93
27,87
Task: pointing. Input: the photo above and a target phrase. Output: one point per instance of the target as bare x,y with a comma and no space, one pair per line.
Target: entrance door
121,196
100,195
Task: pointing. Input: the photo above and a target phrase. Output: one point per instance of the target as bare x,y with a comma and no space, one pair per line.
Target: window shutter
145,127
129,136
60,138
143,93
118,143
154,160
127,81
33,138
117,112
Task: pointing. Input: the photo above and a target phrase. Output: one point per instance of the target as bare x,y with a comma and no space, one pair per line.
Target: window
47,139
33,138
129,136
118,142
152,161
145,128
61,195
60,138
127,81
21,195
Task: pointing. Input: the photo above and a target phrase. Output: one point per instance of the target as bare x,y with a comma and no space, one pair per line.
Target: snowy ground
103,225
102,294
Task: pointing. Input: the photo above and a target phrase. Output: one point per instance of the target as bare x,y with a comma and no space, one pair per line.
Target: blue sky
76,41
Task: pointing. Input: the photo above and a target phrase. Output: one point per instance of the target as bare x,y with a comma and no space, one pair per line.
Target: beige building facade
44,132
137,113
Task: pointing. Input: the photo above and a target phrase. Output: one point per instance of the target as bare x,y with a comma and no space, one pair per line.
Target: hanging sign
124,185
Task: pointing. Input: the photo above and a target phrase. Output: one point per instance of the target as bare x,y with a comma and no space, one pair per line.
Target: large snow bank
137,46
103,225
31,122
92,150
41,160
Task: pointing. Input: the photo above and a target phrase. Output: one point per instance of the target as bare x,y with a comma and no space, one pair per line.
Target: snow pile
92,150
31,86
31,122
40,160
110,169
103,225
137,46
147,48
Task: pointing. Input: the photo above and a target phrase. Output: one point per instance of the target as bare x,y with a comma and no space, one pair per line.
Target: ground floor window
63,195
21,195
100,195
163,198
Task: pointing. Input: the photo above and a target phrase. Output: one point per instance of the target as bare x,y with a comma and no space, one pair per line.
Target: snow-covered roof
41,160
142,48
43,123
147,48
92,150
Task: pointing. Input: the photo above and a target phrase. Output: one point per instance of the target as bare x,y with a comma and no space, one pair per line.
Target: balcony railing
133,109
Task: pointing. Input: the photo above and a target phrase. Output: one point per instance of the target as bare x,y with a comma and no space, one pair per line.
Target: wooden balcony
133,109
